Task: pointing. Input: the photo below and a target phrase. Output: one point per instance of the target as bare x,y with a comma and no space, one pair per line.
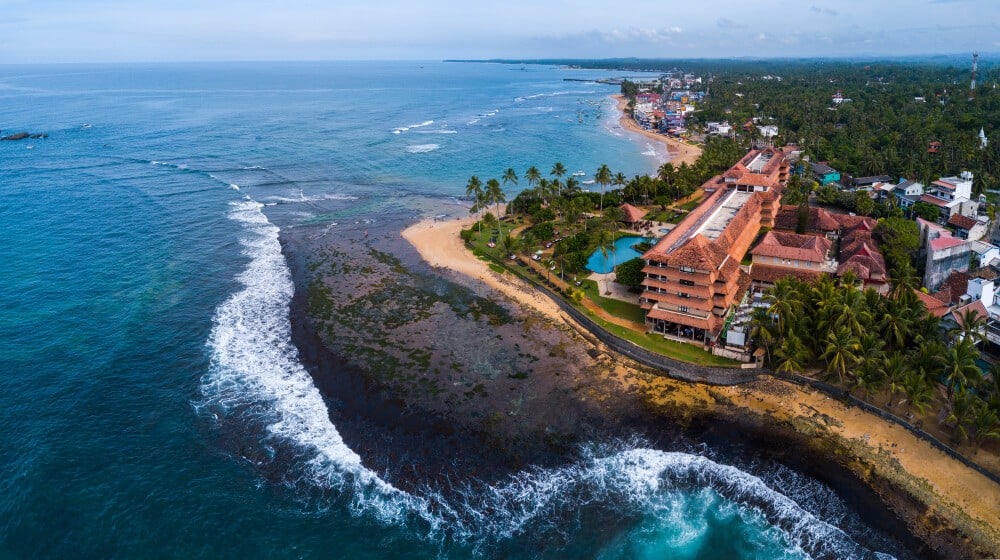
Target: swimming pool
623,252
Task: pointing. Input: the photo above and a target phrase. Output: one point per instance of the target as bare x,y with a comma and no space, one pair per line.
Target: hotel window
687,282
682,308
687,269
683,295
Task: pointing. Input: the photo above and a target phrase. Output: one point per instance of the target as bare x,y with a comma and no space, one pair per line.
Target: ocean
151,398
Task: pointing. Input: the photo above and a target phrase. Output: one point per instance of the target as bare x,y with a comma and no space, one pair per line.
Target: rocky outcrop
23,135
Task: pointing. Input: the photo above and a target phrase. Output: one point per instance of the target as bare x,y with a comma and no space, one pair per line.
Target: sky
38,31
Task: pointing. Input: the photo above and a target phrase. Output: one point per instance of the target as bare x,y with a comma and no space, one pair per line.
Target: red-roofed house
966,227
934,306
781,254
631,213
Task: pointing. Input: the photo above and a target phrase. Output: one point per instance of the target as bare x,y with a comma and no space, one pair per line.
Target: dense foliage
629,273
880,345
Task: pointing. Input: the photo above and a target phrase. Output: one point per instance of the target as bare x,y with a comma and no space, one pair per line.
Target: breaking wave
422,148
257,382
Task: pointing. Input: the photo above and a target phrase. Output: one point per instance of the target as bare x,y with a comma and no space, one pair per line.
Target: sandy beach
951,493
679,151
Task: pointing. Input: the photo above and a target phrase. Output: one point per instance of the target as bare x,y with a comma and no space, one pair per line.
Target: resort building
780,254
693,274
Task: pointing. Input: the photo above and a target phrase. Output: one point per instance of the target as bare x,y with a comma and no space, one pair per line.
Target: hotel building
693,274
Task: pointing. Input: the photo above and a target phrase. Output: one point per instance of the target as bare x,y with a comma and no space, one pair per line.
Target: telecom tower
972,84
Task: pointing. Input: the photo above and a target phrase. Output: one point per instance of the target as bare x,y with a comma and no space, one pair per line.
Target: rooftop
783,245
945,242
716,222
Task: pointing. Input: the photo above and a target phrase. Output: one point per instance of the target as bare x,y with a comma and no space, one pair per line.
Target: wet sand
680,152
942,493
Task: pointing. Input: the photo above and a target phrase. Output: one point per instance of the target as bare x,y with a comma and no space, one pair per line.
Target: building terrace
693,275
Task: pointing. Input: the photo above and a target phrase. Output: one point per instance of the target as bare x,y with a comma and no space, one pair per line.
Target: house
965,227
951,195
942,252
718,128
983,253
782,254
768,131
631,214
934,147
824,174
693,277
867,183
934,306
907,193
860,255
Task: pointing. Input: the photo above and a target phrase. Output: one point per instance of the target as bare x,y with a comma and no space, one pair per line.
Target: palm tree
895,369
619,180
783,304
495,194
603,178
793,354
473,189
532,175
605,244
508,244
841,351
961,414
572,185
510,176
960,367
918,390
895,323
971,325
986,425
558,170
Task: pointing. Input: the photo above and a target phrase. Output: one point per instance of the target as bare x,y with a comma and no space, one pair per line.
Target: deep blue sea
144,301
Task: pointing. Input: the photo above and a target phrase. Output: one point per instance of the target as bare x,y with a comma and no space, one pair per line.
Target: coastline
678,151
942,502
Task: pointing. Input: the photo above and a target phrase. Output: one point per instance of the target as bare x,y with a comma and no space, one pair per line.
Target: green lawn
618,308
632,312
670,348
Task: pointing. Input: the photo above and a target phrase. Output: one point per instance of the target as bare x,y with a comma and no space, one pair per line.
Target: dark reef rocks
24,135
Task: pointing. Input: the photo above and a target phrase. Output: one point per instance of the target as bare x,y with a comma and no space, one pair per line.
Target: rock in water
18,136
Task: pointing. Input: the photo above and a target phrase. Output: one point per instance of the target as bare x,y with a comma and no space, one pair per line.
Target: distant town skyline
189,30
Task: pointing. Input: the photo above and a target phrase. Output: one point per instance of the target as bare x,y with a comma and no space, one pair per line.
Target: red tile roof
976,307
820,221
933,200
961,221
793,246
934,307
953,287
945,242
632,214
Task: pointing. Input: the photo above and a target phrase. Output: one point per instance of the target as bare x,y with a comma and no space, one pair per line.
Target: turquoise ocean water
144,301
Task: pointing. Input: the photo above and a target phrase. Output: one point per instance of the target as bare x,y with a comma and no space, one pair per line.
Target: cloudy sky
182,30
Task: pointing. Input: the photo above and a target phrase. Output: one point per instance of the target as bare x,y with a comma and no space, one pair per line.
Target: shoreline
678,152
925,487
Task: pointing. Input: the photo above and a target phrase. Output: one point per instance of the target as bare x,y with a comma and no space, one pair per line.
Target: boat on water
590,182
579,174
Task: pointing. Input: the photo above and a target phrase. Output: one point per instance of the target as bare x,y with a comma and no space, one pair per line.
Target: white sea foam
303,197
438,131
551,94
234,186
644,481
472,122
255,372
406,128
422,148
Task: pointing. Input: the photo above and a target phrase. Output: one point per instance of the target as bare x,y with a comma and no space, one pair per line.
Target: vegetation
876,345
